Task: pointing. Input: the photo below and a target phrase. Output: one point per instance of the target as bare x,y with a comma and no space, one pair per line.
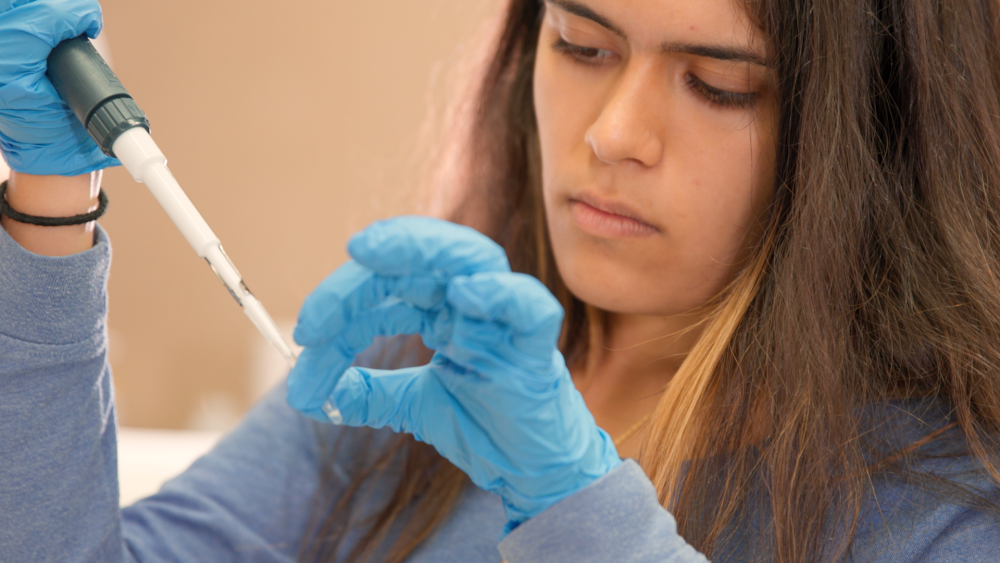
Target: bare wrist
52,196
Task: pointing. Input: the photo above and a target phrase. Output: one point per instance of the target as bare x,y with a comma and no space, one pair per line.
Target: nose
626,129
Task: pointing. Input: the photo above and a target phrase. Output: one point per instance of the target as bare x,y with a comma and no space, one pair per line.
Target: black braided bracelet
5,209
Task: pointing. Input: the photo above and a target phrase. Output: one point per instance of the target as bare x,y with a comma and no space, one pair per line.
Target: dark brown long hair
877,281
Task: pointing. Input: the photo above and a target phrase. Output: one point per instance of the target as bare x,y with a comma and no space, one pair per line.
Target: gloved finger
353,289
519,305
38,132
413,401
48,21
318,368
488,348
28,33
380,398
410,245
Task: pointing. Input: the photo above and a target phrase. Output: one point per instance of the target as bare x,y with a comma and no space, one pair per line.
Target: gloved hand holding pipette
38,133
497,399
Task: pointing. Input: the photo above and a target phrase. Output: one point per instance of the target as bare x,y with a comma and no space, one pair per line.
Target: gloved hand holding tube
496,400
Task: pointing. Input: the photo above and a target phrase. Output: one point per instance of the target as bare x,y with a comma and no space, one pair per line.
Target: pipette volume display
121,129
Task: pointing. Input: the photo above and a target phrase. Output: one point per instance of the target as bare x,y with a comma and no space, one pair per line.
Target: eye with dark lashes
591,56
721,98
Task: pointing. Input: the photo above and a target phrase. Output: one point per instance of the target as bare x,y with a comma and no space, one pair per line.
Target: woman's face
655,122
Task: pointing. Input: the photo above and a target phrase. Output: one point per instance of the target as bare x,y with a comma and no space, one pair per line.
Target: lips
608,219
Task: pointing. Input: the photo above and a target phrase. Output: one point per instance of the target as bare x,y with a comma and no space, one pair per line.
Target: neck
623,380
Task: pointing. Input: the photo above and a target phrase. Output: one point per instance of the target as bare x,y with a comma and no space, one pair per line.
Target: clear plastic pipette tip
255,310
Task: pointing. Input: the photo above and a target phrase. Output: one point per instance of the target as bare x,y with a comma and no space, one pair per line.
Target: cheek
714,203
723,188
566,103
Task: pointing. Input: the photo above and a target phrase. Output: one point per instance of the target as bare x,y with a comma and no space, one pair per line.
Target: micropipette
121,129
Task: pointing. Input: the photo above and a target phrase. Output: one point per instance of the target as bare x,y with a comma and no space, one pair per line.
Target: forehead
655,22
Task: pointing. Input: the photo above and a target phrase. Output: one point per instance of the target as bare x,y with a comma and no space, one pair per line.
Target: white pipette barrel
121,129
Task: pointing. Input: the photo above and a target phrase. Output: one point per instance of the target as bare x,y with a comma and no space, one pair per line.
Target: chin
616,293
615,285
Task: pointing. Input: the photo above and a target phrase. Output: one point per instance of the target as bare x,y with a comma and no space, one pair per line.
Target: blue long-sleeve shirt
251,497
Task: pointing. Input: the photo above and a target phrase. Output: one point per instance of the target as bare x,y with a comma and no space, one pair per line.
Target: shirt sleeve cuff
618,518
53,299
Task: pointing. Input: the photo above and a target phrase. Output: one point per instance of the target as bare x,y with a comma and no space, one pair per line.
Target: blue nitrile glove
38,132
422,255
496,399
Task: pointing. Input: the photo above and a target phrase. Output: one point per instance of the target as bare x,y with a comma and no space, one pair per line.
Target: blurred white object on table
147,458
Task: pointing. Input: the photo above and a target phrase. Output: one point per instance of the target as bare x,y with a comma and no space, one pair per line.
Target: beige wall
290,126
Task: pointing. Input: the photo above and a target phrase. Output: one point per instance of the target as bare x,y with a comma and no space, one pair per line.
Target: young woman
748,247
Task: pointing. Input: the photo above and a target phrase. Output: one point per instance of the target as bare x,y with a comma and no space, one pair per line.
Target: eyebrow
719,52
578,9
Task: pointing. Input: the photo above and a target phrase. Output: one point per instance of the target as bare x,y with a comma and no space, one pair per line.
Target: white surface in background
147,458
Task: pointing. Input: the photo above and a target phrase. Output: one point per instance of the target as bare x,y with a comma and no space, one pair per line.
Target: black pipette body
93,92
